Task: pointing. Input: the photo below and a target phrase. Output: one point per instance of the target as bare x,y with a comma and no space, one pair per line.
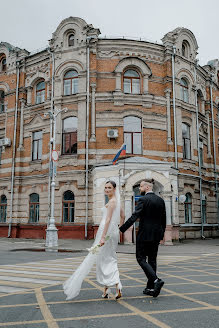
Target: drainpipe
199,158
14,147
174,106
214,150
87,134
50,144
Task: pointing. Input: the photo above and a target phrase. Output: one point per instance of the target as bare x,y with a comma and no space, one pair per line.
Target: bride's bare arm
122,216
110,209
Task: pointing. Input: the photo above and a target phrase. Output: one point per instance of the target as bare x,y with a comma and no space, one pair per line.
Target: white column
168,204
167,93
209,136
29,95
145,84
21,140
118,82
93,112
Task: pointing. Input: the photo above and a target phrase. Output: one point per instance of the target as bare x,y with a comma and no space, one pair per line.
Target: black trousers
146,255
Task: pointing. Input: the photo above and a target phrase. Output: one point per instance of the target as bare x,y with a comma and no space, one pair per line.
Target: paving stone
195,319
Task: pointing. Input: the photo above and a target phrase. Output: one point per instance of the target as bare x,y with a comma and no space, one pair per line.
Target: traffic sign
55,155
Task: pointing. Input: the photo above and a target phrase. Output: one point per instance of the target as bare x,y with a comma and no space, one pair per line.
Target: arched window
184,90
70,83
71,40
40,92
3,64
34,207
69,135
2,101
133,135
3,208
68,204
186,141
188,208
185,49
131,82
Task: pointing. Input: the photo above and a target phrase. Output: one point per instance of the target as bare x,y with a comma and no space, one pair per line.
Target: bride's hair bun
112,183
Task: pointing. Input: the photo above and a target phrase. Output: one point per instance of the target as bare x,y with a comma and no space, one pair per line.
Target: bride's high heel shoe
106,292
118,293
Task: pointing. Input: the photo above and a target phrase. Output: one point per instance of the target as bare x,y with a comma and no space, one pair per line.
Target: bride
103,251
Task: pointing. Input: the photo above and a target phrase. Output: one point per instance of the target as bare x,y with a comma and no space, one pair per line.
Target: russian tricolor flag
122,152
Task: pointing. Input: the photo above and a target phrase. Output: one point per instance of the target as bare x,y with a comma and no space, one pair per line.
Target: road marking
47,315
135,310
9,289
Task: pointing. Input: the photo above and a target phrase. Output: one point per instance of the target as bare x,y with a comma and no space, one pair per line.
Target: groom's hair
149,182
112,183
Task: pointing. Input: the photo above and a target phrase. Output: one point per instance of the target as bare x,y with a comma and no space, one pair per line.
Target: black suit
152,214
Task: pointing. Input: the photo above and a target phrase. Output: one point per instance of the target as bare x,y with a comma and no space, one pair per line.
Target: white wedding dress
107,273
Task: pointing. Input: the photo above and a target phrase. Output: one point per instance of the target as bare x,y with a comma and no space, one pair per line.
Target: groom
152,214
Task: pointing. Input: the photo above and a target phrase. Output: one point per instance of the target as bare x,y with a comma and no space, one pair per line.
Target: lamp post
52,231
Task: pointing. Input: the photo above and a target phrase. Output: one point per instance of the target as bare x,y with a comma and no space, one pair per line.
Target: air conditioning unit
112,133
5,142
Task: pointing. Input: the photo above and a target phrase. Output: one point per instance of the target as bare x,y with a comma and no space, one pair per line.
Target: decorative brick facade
165,135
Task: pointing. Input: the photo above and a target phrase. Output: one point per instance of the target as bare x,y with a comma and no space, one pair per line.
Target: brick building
155,98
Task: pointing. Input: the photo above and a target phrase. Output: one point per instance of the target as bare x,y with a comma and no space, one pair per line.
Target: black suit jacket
152,214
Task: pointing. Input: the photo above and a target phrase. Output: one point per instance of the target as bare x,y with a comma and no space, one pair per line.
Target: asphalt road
31,290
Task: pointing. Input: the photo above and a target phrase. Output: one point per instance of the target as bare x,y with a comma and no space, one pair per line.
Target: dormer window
71,40
4,64
185,49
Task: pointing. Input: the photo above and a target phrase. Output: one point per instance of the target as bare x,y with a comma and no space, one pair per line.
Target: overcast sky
29,24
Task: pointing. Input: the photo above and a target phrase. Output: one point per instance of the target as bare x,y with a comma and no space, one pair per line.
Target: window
186,141
71,40
131,82
70,83
69,135
34,207
3,65
204,211
40,92
188,208
2,101
133,135
68,204
185,49
37,146
3,208
201,152
184,90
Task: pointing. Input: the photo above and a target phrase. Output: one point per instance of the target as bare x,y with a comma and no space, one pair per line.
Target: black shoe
148,291
157,287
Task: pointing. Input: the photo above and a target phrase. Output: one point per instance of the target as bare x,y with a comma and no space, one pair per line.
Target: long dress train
107,272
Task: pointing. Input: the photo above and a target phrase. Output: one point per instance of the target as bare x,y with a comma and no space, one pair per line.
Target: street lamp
52,231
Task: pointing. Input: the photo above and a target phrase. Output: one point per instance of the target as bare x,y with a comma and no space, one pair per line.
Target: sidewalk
187,247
